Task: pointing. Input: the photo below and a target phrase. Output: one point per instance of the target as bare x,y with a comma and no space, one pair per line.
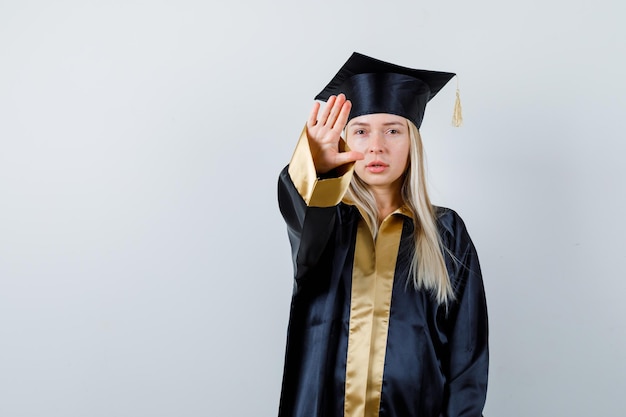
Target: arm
307,201
468,353
309,228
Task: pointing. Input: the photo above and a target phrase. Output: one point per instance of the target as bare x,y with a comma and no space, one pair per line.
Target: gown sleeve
467,364
308,205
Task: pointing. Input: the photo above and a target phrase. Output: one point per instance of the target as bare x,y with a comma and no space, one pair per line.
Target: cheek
403,154
355,145
360,165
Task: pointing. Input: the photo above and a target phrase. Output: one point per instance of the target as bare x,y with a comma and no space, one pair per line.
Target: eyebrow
384,124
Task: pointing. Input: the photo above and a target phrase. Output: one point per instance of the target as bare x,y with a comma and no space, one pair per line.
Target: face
385,141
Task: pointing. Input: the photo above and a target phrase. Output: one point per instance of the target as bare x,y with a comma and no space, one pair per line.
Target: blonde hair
428,268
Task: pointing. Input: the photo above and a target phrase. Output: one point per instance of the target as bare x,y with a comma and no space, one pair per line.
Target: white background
144,266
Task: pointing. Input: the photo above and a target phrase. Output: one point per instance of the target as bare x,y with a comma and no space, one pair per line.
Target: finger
323,117
347,157
342,118
335,110
312,121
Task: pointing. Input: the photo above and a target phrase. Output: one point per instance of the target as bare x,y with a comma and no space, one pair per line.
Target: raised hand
324,132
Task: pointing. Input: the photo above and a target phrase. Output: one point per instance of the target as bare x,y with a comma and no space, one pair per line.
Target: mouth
377,164
376,167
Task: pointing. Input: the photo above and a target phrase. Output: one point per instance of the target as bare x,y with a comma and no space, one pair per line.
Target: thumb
347,157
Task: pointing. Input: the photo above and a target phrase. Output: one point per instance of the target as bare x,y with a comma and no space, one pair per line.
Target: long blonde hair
428,268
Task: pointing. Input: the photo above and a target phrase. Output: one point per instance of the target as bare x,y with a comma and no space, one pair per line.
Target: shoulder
448,221
452,229
460,253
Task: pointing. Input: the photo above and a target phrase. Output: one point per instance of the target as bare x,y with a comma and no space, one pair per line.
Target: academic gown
415,358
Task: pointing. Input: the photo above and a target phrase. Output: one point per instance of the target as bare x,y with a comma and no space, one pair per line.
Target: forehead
378,119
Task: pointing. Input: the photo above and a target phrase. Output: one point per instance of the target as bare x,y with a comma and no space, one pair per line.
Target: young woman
388,316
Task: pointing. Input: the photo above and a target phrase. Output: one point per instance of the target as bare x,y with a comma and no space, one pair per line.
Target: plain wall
144,266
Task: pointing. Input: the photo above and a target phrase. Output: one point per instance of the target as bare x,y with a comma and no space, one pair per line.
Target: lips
376,167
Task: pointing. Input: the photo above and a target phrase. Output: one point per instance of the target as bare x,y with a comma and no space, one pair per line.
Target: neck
388,200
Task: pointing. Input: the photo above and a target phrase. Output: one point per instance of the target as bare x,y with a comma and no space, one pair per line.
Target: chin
378,181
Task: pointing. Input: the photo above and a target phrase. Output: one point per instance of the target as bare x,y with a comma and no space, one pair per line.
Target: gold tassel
457,116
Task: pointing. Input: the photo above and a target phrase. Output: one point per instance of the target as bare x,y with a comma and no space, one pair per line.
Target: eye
359,132
393,131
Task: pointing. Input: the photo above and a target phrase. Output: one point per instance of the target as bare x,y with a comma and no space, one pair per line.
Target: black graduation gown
436,358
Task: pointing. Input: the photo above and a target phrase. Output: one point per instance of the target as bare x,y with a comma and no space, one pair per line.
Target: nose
377,143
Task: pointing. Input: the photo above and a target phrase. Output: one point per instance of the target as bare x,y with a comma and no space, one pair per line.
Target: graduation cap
375,86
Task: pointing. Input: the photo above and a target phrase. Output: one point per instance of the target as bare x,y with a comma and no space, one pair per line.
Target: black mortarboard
375,86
